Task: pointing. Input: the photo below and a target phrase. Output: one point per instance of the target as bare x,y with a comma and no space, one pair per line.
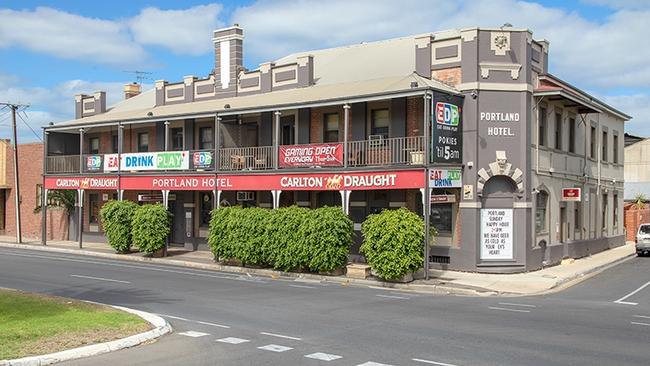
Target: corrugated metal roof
277,100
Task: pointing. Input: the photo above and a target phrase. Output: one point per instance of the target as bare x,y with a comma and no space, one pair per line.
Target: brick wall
30,163
450,76
414,116
633,218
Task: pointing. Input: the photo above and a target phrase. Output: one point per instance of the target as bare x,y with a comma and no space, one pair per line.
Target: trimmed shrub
116,219
219,236
328,234
285,247
150,227
239,233
291,238
393,242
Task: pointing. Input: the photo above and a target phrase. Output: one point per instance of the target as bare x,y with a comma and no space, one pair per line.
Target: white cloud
187,31
68,36
47,104
620,4
637,106
116,42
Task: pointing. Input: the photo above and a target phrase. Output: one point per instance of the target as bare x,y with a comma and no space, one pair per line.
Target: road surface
232,319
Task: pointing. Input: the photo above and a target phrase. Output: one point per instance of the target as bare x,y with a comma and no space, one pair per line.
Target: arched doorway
497,220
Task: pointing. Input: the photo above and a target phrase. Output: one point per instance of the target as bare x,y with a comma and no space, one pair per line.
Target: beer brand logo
335,182
84,183
447,114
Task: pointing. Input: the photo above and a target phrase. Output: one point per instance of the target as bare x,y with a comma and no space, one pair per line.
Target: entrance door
287,130
178,220
563,225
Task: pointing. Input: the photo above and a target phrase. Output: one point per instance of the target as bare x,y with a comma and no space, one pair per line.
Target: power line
27,124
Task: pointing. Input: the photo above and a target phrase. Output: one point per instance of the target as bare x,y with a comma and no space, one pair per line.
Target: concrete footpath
542,281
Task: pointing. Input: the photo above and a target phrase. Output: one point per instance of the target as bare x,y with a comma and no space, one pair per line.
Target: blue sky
50,51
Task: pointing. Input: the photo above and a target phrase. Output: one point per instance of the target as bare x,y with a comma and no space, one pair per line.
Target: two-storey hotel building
519,168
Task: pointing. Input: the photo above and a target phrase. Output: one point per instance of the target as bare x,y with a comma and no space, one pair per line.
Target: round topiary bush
393,242
116,219
150,227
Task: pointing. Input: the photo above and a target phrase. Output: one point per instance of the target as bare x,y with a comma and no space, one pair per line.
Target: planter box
405,279
361,271
336,272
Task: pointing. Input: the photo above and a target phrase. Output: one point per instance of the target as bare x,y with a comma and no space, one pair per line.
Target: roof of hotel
139,107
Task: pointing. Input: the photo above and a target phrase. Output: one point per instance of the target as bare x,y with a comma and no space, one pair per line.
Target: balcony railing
246,158
386,151
373,152
62,164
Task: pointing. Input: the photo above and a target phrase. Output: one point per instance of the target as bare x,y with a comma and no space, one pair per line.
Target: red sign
81,183
572,194
311,155
169,182
409,179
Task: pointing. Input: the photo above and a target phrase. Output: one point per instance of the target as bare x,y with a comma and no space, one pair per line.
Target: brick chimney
131,90
228,58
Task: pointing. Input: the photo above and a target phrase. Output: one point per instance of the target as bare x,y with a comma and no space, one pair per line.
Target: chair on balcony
237,162
260,162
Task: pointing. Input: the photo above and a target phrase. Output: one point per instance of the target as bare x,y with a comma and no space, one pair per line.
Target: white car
643,240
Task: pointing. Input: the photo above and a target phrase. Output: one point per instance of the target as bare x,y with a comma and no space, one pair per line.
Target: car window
644,229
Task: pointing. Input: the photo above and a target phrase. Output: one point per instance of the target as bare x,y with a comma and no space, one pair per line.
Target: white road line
174,317
393,297
514,304
194,321
301,286
213,324
281,336
621,300
432,362
275,348
372,363
193,334
637,323
232,340
323,356
99,279
505,309
642,316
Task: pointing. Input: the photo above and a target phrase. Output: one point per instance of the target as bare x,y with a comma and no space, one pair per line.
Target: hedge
287,239
393,242
116,219
150,227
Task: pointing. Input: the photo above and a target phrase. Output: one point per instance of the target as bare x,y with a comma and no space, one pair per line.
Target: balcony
374,152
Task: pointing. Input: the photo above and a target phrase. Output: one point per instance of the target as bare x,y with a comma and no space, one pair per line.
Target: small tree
150,227
639,201
393,242
116,219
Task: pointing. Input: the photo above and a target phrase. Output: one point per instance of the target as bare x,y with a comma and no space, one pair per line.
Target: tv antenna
141,76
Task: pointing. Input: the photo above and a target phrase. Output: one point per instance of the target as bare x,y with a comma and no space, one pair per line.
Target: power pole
13,108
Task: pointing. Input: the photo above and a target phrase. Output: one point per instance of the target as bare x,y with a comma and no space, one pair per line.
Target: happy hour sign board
496,233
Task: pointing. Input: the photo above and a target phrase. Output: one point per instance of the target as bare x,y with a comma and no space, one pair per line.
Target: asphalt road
228,319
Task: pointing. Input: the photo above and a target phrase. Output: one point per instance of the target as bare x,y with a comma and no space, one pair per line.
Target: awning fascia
561,93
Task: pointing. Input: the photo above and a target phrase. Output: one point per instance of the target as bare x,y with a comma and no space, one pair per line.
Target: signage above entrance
98,183
572,194
310,155
162,160
445,178
408,179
